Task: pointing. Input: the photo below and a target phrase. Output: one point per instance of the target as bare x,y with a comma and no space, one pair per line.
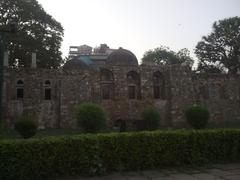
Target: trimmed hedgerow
97,154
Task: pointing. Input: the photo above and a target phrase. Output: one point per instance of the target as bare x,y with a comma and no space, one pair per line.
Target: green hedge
103,153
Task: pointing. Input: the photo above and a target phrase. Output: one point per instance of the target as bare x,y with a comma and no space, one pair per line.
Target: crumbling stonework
182,88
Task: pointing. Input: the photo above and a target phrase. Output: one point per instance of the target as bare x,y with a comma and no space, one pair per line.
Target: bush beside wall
102,153
151,117
26,126
197,116
91,117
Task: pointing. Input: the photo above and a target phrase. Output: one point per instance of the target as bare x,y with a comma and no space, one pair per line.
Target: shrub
91,154
26,126
91,117
151,118
197,116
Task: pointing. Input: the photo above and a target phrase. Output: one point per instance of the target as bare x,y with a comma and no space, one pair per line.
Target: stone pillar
5,59
34,60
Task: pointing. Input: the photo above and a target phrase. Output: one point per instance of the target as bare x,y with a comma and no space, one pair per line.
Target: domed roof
75,64
122,57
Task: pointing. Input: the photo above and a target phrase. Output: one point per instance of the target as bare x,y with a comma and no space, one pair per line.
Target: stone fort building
115,80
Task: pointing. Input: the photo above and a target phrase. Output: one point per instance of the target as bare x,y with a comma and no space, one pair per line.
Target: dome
122,57
75,64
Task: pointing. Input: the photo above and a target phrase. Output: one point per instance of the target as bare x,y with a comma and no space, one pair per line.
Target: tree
220,51
37,32
163,55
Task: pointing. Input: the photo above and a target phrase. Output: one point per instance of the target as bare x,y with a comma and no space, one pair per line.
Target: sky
138,25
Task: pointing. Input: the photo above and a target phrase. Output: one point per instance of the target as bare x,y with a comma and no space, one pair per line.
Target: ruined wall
221,94
121,107
33,102
182,94
69,88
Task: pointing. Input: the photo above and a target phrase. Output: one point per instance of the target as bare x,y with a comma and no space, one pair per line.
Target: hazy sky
138,25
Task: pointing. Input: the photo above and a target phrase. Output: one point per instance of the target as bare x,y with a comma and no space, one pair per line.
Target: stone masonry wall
220,93
221,96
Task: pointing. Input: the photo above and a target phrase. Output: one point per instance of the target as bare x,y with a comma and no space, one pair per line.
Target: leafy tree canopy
37,32
220,51
163,55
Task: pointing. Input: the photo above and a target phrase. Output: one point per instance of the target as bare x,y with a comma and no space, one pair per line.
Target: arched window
20,89
106,84
47,90
159,90
133,80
